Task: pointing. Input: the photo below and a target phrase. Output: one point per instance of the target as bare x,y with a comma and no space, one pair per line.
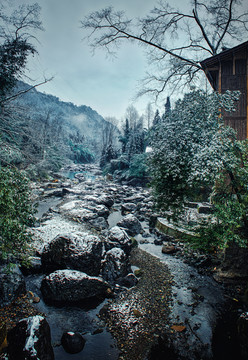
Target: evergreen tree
194,150
157,118
125,137
167,106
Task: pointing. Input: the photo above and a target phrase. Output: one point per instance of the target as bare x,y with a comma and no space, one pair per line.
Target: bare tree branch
12,97
169,33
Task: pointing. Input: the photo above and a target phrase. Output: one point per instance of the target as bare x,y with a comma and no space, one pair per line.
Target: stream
196,300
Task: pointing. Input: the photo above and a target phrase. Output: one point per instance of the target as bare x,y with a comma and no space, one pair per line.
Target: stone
102,210
114,265
235,260
54,193
106,200
118,237
242,325
128,208
12,284
153,220
30,339
78,209
81,252
71,286
72,342
99,223
131,224
138,272
169,249
36,299
128,281
134,199
34,266
205,208
158,242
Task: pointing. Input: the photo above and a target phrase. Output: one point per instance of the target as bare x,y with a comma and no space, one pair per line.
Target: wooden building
229,71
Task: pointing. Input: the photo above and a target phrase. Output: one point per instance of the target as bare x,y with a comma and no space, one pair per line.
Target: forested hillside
41,133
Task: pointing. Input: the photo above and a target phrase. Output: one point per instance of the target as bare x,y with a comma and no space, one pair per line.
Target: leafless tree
149,115
109,128
132,116
17,34
175,41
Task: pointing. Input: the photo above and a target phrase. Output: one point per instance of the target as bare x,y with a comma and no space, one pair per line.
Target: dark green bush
138,167
16,215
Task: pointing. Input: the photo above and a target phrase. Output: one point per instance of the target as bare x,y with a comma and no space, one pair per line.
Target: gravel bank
138,317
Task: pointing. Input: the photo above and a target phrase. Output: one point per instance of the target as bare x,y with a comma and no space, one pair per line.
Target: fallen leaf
178,328
137,313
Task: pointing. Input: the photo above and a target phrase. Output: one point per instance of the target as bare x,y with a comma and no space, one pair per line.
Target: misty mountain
75,118
45,133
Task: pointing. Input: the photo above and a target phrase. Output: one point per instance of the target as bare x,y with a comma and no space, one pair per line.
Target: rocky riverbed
102,272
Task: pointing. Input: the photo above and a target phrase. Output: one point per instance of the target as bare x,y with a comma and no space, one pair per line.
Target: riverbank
140,316
173,310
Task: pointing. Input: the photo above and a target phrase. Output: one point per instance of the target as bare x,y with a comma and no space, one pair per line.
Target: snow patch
33,324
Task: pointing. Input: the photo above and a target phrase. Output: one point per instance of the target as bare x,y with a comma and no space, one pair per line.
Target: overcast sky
106,85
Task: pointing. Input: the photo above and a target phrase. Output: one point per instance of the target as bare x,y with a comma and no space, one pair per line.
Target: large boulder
71,286
12,284
78,251
131,224
30,339
118,237
115,265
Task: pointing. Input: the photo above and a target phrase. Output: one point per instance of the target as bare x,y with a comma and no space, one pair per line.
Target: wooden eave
212,61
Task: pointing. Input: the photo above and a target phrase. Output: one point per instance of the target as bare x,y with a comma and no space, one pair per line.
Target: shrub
138,167
16,214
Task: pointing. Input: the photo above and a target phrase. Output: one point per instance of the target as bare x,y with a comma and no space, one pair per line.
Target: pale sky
107,85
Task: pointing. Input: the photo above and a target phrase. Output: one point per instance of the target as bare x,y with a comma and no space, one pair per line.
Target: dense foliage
16,214
129,162
193,153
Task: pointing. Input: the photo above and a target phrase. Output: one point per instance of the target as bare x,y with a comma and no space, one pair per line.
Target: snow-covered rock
106,200
131,224
85,210
30,339
72,286
115,265
118,237
128,208
134,199
78,251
